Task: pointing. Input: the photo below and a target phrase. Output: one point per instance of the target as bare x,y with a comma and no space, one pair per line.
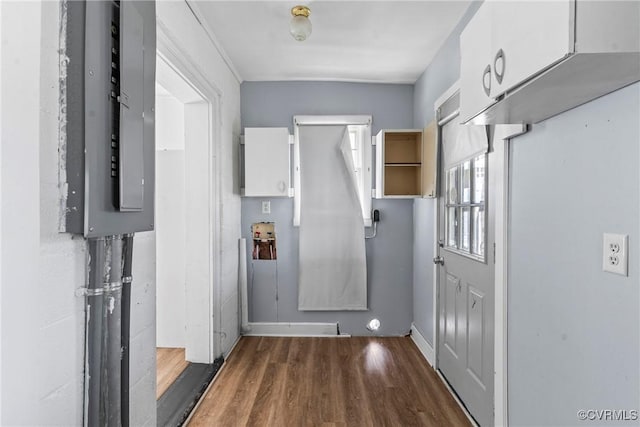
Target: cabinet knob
486,80
282,186
499,65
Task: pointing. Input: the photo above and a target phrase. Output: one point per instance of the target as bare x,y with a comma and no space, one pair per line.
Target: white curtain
332,262
462,142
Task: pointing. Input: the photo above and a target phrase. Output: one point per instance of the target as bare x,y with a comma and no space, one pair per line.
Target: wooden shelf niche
399,154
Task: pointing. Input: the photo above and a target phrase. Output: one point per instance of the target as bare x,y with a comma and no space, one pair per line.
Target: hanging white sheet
332,261
462,142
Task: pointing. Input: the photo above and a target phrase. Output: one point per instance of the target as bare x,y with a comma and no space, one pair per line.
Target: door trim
169,50
499,174
501,136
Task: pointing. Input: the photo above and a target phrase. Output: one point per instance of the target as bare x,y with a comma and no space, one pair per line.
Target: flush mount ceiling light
300,26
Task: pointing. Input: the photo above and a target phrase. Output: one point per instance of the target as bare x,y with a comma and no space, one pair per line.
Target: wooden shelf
402,180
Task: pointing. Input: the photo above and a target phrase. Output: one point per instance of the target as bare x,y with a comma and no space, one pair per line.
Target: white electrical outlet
615,248
266,207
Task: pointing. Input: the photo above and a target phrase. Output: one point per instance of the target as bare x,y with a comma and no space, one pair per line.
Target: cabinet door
475,65
266,162
528,37
429,160
379,169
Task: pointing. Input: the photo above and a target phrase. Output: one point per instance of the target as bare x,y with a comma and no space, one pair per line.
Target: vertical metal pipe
103,334
96,257
127,250
112,332
242,283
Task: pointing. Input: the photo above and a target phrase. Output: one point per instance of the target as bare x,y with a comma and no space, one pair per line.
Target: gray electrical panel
109,103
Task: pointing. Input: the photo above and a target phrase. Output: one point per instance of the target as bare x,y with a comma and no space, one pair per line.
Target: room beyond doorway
183,196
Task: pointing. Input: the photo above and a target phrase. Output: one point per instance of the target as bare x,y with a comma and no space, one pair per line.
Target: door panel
475,337
465,284
451,313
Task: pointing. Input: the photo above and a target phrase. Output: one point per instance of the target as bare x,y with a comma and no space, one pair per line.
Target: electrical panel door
109,143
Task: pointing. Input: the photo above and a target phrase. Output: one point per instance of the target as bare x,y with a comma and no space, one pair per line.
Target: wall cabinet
522,62
266,162
404,164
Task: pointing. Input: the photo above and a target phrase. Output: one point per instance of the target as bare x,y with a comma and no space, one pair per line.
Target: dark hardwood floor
357,381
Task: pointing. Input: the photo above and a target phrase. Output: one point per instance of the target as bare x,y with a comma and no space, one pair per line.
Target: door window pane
478,218
479,166
452,222
452,186
466,181
465,232
465,207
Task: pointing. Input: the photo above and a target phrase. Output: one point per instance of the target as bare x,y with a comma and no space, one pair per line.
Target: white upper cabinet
266,162
475,64
525,61
527,37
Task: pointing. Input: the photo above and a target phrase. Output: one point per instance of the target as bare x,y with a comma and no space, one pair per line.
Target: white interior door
466,281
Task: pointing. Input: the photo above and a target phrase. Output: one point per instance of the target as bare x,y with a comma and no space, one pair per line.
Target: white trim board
423,345
502,133
284,329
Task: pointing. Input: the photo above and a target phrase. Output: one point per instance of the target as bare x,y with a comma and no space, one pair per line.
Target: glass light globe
300,27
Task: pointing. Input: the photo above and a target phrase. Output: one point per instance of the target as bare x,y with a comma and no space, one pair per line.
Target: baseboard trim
283,329
423,345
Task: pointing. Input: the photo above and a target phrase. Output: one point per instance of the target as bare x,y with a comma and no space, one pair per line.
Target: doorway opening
186,203
175,97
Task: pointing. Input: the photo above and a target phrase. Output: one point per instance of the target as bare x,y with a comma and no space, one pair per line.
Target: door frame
206,345
499,178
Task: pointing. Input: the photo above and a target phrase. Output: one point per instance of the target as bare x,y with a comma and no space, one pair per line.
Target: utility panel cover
266,162
110,99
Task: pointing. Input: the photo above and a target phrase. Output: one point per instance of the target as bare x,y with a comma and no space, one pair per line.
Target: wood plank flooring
358,381
170,362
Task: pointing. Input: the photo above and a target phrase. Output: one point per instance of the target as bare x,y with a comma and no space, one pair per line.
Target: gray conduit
96,256
127,250
103,334
113,332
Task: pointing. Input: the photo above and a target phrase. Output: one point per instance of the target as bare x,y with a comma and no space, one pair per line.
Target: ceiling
364,41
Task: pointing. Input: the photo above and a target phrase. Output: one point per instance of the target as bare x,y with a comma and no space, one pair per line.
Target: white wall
1,138
42,319
169,123
574,330
170,223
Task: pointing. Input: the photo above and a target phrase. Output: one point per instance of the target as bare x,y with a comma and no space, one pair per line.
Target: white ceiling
367,41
